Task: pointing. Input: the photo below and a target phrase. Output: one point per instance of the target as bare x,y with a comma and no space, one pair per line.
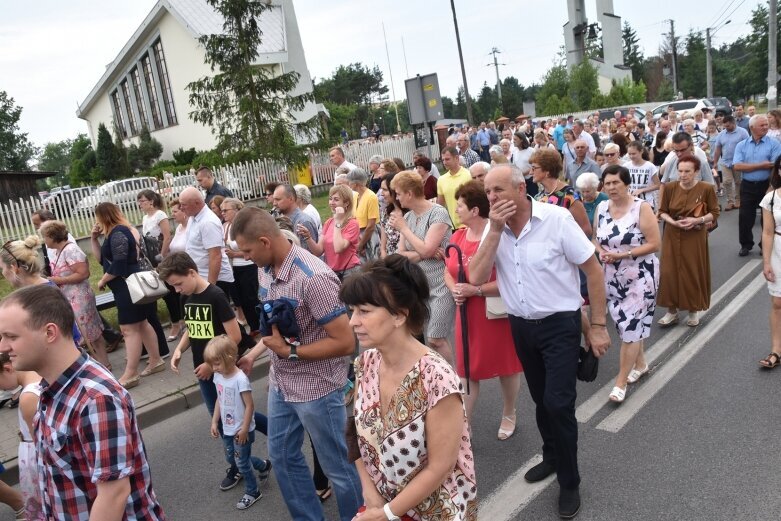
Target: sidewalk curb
155,412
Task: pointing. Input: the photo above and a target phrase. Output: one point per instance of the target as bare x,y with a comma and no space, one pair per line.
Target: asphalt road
695,439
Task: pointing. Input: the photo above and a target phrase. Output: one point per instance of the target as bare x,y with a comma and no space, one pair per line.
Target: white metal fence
246,180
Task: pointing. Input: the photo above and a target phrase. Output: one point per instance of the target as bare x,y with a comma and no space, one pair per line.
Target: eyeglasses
224,210
611,154
536,167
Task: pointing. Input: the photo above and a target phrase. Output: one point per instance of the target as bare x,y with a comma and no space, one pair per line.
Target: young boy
207,314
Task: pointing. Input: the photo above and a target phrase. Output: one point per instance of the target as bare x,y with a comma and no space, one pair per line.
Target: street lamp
708,60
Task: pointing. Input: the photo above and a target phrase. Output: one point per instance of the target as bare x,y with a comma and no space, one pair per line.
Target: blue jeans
240,456
324,419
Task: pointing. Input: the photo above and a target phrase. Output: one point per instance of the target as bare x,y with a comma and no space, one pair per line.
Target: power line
736,8
723,10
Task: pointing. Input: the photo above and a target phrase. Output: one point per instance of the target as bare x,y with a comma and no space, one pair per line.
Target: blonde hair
346,195
23,254
221,348
408,181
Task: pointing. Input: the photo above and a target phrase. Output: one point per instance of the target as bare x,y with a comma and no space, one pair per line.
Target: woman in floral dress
626,240
414,454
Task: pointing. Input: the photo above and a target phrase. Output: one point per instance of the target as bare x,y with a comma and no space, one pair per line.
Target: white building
146,83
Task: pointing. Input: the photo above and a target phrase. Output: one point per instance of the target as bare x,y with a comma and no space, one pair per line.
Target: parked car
610,113
721,106
62,202
687,105
121,192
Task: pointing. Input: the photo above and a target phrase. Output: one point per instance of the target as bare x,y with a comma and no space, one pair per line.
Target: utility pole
675,56
772,74
469,114
496,51
390,73
708,66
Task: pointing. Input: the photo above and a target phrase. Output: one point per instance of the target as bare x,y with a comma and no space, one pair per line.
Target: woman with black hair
771,255
414,454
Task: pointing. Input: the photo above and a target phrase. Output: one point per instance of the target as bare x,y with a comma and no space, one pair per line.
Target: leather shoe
743,252
539,472
569,503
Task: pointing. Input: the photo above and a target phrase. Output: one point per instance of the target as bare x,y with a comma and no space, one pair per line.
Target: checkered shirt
313,285
86,433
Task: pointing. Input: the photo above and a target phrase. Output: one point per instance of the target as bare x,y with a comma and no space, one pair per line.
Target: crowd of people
384,317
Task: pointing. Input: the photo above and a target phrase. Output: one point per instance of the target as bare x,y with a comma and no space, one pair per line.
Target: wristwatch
389,514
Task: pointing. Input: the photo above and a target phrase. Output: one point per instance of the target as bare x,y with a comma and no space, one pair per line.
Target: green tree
354,83
486,103
583,84
15,149
246,105
691,70
555,83
83,162
513,95
633,56
448,106
106,158
665,91
142,156
626,92
184,157
56,157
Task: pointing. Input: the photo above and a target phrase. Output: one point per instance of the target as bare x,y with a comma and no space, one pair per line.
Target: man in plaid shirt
90,453
305,393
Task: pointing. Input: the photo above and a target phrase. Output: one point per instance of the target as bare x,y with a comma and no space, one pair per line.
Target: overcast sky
52,52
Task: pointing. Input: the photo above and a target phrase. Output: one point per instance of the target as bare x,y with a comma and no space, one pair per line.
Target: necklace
555,189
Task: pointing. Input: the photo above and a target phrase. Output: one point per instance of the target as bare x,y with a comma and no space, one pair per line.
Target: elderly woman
687,208
411,441
626,240
424,231
389,236
612,154
423,168
497,155
339,241
546,171
491,348
70,272
506,145
119,257
304,203
698,135
375,173
244,290
588,184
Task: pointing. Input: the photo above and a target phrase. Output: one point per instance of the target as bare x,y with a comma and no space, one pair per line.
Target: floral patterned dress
393,448
631,284
80,295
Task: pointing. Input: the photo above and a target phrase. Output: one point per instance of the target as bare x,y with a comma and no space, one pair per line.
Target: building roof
198,18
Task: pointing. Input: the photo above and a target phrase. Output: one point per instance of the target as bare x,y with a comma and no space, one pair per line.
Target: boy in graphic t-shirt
207,314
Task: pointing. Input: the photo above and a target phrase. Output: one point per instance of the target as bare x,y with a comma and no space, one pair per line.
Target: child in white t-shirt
236,409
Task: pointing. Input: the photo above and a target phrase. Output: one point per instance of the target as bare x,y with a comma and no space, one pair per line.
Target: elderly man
683,144
582,163
577,129
205,179
468,156
205,240
479,170
723,156
754,158
367,213
484,138
336,157
533,246
286,200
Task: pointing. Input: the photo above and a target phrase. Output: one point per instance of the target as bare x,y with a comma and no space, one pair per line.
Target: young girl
28,405
645,176
235,408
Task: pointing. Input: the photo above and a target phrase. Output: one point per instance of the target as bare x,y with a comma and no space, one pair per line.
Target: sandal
506,433
668,319
771,360
617,395
149,369
636,374
133,382
325,493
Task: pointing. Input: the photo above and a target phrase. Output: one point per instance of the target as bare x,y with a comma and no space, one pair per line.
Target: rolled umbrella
462,311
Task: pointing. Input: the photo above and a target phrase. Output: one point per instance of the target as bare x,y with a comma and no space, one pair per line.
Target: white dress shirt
537,272
204,231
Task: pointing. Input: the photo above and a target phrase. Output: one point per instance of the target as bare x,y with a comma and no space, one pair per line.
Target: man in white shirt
537,249
205,240
336,156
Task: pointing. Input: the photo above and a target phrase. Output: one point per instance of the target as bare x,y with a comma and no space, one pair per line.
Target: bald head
191,201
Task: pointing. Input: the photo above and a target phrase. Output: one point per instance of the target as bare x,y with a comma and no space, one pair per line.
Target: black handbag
588,365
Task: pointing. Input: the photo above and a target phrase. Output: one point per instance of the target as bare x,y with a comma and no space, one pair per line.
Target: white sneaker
247,501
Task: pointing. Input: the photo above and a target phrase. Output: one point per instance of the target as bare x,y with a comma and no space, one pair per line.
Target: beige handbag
145,287
494,306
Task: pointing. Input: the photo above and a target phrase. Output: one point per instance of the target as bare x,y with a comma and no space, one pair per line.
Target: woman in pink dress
491,348
411,441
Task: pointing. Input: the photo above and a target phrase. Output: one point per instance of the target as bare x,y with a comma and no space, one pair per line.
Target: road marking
596,401
514,494
616,420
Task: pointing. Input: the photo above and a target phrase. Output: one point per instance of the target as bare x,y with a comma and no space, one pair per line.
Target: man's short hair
44,215
753,119
177,263
337,150
729,118
450,150
682,137
205,169
289,191
252,222
44,304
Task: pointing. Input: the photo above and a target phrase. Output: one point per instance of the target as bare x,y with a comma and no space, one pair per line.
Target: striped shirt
86,433
314,287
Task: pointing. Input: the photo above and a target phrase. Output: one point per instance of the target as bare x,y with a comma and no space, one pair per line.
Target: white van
119,192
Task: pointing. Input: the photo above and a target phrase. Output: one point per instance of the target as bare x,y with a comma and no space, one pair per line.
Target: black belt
549,318
755,182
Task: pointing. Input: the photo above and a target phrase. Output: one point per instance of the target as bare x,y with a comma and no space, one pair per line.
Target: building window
146,63
120,119
131,117
136,76
165,82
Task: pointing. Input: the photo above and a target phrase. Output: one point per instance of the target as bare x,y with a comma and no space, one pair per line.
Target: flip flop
636,374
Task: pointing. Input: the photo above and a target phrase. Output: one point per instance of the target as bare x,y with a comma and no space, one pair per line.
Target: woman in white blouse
245,272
